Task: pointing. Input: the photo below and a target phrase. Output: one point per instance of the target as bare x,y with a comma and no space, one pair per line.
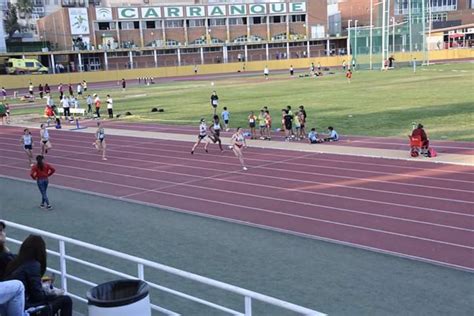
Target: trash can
119,298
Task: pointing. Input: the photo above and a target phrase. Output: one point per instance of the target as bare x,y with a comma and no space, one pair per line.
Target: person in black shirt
28,267
5,255
214,101
288,120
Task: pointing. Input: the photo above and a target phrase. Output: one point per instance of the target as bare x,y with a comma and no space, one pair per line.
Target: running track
413,209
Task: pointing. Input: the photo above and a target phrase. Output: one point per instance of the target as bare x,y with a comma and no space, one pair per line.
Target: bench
73,111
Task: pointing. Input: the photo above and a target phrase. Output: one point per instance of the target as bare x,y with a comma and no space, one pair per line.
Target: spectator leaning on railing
28,267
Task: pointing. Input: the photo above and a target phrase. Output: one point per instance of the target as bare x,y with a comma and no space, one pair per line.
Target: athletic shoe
104,158
42,205
49,207
206,150
192,152
231,147
227,129
245,168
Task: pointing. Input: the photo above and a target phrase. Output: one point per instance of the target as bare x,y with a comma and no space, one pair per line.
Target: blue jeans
12,298
43,186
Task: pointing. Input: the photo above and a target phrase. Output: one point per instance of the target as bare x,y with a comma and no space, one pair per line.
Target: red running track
412,209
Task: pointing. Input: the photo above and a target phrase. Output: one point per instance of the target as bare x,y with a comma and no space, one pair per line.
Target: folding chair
415,146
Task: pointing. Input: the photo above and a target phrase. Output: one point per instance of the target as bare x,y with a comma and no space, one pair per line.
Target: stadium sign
196,11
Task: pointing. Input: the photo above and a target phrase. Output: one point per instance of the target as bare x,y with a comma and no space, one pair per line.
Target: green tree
25,7
11,21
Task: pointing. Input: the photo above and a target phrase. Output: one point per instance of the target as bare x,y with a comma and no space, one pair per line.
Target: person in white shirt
333,136
79,89
266,72
66,106
202,137
110,106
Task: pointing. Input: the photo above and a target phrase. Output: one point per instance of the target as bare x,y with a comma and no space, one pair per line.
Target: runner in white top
27,141
45,141
238,141
202,137
99,143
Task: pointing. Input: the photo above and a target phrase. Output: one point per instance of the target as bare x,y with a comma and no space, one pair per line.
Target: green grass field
375,103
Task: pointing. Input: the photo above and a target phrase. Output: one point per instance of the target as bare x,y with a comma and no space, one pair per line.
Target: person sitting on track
313,137
333,136
215,130
420,133
202,136
238,141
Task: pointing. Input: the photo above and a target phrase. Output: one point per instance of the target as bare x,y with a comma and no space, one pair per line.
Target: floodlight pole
393,35
371,32
355,42
384,7
423,18
409,26
348,39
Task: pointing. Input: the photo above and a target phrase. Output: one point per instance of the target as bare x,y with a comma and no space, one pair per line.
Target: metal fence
65,259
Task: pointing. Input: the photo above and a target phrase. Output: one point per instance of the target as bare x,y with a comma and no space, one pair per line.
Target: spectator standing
110,106
89,104
214,101
61,91
225,117
124,84
292,71
71,91
84,85
66,106
4,93
28,267
41,90
41,172
47,89
266,72
31,89
79,90
97,105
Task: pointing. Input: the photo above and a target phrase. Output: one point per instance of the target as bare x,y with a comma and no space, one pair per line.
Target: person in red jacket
420,133
40,172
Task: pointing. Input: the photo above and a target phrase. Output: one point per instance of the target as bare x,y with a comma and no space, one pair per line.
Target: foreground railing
64,258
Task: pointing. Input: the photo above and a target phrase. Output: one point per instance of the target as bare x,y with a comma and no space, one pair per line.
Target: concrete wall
14,82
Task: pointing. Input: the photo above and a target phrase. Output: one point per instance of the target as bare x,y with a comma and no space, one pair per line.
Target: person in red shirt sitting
40,172
421,134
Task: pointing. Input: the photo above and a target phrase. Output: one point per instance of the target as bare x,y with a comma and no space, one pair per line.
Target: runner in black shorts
288,120
27,141
215,130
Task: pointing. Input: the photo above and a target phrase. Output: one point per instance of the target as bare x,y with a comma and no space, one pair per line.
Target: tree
25,8
11,21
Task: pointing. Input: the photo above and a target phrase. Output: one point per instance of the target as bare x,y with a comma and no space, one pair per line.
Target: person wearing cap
202,136
5,255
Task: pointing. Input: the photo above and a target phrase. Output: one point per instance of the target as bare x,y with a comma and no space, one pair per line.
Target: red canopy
456,35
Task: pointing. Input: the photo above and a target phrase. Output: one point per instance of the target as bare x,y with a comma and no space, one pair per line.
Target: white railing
64,258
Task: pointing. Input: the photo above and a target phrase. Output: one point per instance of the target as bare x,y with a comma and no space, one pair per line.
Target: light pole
348,38
393,34
371,30
355,42
409,26
384,8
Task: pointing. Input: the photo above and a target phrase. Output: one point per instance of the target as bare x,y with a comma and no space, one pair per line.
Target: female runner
27,141
238,141
202,136
215,130
45,141
100,140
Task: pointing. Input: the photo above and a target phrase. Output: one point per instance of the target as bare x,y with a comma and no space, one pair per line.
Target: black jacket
5,258
29,274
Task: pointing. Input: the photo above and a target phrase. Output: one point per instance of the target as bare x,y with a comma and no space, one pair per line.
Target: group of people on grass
23,281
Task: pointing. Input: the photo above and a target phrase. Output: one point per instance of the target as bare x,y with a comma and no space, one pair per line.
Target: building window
129,25
237,21
258,20
150,24
298,18
104,26
174,23
195,22
215,22
240,39
278,19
